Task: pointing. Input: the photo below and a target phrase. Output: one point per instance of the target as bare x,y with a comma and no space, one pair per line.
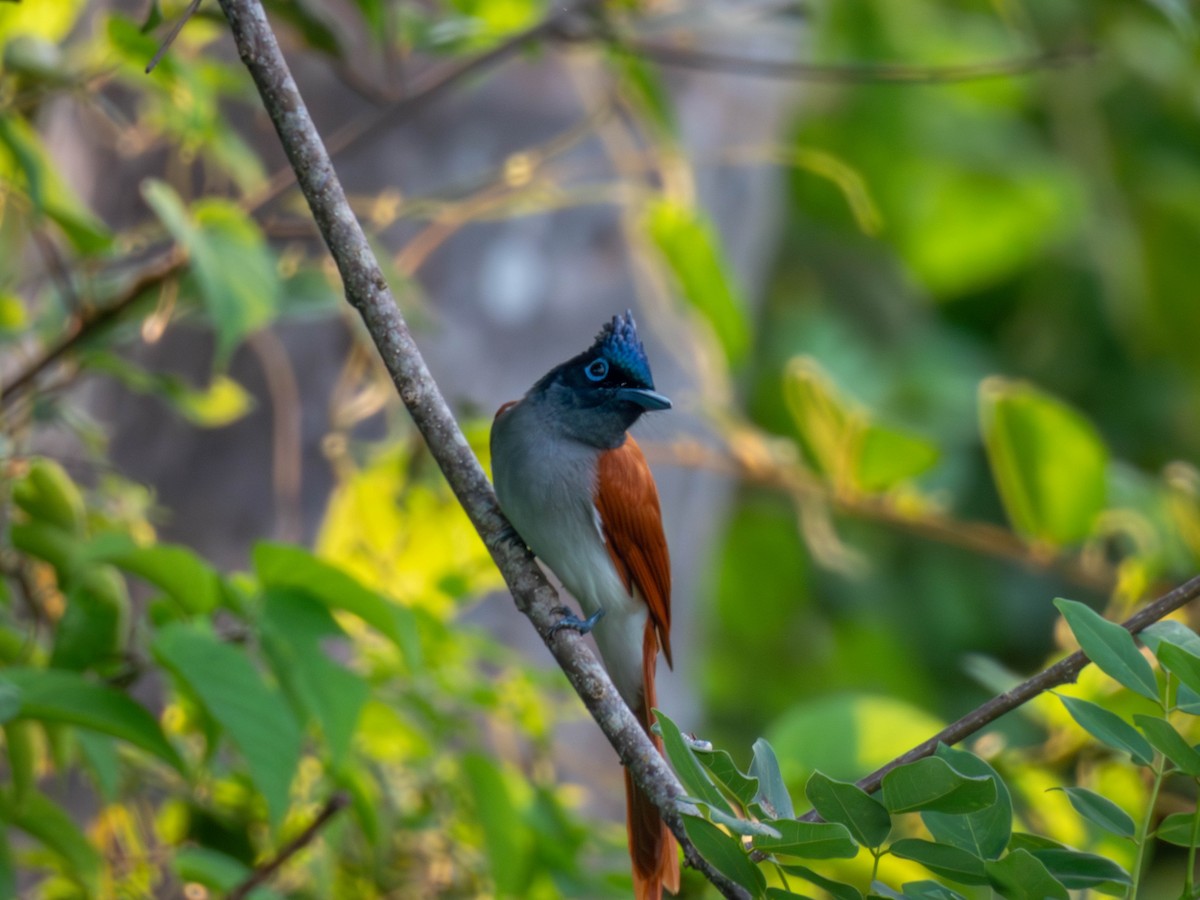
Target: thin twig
863,73
166,266
1062,672
261,874
172,34
554,25
368,292
983,538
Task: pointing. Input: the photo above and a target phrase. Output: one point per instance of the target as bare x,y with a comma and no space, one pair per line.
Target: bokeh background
918,276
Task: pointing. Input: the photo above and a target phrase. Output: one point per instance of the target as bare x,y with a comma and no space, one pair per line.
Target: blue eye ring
597,369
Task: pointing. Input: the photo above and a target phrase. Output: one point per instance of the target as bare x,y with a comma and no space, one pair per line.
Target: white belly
547,495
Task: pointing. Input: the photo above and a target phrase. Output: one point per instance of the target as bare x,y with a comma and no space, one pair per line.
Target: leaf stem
1143,835
1189,889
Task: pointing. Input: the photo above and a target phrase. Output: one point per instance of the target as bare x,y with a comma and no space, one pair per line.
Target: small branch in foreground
1062,672
332,807
172,34
167,266
368,292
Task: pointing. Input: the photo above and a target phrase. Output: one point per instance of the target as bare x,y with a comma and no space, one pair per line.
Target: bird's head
596,396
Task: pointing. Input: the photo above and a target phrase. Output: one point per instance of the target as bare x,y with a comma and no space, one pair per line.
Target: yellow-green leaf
1048,461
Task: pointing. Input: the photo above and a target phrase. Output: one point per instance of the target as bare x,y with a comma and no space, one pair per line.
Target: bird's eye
596,369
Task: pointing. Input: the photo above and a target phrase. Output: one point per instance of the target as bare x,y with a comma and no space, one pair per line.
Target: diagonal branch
367,291
1062,672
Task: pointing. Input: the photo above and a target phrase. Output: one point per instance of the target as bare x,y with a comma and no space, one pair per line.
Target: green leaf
942,859
688,243
237,697
725,854
234,269
736,824
888,457
772,792
177,571
809,840
721,767
1080,871
1021,876
10,701
1109,728
1110,647
691,774
56,695
1049,463
216,871
929,890
1100,811
295,628
984,833
1178,829
50,825
1181,663
221,403
931,784
508,859
284,565
643,84
835,889
1170,743
92,628
839,801
1169,631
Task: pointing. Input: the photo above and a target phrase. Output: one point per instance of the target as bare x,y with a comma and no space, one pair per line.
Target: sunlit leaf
216,870
932,784
692,251
888,456
284,565
183,575
234,269
56,695
236,696
1110,647
839,801
1048,462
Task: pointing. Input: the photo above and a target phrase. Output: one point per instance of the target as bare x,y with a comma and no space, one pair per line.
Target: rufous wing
627,501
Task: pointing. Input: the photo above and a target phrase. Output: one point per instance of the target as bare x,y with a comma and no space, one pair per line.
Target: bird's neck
559,412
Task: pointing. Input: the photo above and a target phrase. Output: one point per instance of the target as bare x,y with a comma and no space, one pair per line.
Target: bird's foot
572,621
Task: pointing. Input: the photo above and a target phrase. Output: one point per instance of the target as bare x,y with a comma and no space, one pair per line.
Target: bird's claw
572,621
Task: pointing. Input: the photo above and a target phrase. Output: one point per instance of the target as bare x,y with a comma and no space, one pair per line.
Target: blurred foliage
970,389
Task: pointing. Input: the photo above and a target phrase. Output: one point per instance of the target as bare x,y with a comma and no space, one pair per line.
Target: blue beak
644,398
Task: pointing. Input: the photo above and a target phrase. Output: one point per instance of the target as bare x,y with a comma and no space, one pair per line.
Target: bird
577,489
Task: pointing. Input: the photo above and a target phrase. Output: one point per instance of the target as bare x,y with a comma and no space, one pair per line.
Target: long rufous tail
652,847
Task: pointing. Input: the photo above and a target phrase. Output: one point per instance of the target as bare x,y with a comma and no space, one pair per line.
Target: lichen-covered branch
367,290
